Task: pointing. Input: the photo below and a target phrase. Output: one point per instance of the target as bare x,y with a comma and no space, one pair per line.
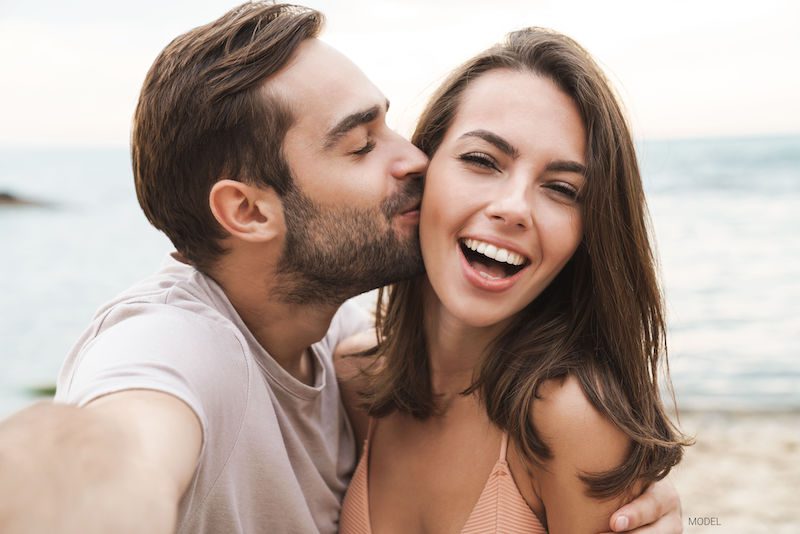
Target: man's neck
284,330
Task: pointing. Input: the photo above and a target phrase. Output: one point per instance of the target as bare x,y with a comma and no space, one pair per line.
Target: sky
70,72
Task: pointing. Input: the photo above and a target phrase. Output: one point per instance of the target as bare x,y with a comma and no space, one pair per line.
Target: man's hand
656,511
119,465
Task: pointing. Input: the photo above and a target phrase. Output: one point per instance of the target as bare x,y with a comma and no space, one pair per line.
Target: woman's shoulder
351,366
582,441
574,429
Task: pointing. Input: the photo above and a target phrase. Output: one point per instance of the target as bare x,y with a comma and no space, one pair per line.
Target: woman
514,386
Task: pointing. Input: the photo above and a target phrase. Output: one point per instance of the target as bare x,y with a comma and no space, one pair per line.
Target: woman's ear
245,211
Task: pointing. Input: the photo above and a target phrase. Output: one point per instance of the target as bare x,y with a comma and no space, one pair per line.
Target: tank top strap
503,447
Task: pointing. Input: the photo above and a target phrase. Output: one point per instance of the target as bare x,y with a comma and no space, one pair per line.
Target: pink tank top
500,507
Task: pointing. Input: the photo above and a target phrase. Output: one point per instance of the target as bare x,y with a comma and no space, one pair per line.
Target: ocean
725,214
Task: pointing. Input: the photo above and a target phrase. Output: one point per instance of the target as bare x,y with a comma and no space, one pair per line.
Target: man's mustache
405,199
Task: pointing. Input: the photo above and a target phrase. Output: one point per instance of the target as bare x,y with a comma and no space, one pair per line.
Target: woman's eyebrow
567,166
490,137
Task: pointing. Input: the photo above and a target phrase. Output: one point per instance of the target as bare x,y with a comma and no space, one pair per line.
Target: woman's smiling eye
480,159
564,189
366,149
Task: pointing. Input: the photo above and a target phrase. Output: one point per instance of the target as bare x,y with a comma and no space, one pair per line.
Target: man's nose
411,162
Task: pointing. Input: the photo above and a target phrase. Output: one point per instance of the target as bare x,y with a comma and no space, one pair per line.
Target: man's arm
120,464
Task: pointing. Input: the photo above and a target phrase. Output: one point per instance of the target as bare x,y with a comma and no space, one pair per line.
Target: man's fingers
666,525
641,511
658,505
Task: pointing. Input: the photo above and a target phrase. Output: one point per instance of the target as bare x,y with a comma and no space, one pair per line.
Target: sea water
725,212
726,215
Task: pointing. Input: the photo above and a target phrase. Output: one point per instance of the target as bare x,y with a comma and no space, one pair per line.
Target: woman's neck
455,349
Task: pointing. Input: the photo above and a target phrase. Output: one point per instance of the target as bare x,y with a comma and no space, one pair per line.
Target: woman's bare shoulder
582,441
574,428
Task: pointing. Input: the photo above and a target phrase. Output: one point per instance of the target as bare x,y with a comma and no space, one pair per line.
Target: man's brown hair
204,115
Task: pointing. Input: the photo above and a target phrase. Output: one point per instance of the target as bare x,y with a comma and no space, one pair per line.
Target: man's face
352,216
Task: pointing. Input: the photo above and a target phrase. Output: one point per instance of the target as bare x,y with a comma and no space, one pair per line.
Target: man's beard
334,253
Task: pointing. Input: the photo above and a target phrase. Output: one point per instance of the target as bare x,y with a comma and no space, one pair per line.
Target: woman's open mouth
491,267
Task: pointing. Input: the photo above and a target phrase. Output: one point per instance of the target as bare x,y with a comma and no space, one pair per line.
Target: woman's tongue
488,268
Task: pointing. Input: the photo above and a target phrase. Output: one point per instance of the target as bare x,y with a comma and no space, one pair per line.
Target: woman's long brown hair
601,320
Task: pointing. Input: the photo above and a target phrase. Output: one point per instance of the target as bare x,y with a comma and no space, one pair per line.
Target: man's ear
245,211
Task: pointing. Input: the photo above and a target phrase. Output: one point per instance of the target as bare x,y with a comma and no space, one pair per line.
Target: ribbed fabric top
500,507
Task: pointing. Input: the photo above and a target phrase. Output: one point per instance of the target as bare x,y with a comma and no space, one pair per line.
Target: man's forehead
320,83
316,68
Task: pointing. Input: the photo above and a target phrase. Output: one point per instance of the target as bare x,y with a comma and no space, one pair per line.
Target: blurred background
711,91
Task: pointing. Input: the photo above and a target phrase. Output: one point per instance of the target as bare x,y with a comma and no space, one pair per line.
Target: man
204,398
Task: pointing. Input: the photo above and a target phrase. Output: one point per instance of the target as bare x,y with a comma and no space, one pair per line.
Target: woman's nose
512,205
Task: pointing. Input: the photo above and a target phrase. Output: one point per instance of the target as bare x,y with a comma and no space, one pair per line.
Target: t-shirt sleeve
177,353
352,318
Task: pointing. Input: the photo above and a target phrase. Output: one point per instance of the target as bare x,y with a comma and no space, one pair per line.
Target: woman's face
500,215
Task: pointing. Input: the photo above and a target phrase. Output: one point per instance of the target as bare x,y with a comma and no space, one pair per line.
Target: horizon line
639,139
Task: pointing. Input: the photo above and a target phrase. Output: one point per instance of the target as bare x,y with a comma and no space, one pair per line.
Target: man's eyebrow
509,149
503,145
351,121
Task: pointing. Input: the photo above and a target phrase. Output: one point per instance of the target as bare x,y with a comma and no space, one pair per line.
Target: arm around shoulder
119,464
582,441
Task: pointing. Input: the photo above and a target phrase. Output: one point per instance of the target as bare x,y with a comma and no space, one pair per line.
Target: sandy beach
742,475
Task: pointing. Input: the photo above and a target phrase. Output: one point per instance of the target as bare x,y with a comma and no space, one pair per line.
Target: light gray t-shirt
277,454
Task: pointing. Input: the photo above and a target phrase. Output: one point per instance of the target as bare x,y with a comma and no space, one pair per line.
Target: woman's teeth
490,251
